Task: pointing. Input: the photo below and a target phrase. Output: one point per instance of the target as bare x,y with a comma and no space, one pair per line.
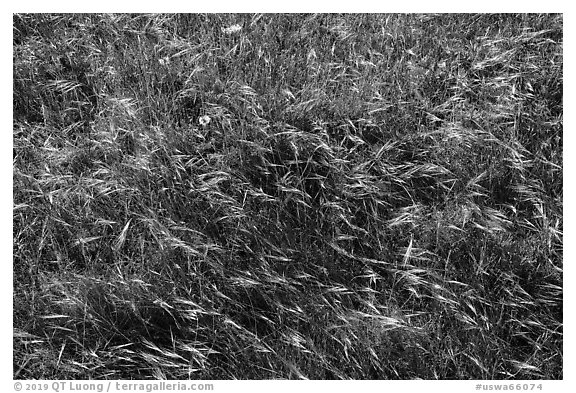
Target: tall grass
374,197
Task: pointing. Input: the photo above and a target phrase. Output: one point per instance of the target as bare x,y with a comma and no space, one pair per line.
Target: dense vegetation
287,196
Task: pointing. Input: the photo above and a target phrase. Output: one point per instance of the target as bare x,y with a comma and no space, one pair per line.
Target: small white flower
204,120
232,29
164,61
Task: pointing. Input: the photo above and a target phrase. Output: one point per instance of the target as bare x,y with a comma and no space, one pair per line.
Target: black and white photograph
283,196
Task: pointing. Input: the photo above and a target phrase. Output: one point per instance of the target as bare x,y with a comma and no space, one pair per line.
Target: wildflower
232,29
164,61
204,120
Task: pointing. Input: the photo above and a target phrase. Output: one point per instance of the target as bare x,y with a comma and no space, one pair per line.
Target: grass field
287,196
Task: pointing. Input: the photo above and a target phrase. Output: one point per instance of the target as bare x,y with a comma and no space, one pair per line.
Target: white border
249,6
